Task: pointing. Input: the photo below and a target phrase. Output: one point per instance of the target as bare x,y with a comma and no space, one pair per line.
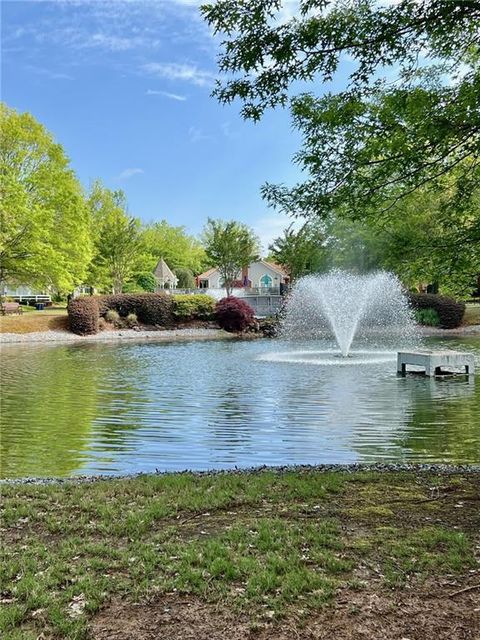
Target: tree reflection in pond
129,407
48,404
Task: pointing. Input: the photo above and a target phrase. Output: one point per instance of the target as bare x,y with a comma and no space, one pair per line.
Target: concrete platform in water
436,363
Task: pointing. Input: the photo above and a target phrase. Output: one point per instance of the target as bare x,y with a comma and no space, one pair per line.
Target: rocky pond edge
437,468
59,336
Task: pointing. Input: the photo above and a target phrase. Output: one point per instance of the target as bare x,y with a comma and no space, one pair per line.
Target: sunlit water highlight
330,357
119,408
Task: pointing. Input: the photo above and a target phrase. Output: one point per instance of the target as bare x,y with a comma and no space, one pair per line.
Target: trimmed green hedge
450,312
193,307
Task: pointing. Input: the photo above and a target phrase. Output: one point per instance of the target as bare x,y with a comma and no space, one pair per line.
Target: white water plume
370,307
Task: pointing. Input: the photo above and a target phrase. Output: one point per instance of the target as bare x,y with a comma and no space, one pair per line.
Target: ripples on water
119,408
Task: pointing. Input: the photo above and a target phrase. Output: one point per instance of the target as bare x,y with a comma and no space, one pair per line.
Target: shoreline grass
263,544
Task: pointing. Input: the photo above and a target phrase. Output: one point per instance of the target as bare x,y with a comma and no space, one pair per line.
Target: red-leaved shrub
83,315
150,308
233,314
450,312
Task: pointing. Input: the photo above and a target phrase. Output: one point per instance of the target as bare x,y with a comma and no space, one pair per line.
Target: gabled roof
272,265
207,274
275,267
163,272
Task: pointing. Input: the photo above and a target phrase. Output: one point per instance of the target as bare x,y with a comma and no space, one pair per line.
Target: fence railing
245,291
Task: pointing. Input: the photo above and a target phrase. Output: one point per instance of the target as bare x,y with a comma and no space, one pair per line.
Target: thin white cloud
129,173
166,94
183,72
227,130
113,26
197,135
112,42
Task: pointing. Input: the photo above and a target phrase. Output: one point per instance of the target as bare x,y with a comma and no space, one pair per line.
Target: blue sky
125,87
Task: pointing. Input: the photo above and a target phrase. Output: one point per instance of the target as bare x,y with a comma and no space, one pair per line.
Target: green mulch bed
268,550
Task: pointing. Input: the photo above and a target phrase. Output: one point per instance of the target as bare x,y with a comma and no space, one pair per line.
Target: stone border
170,335
355,467
459,332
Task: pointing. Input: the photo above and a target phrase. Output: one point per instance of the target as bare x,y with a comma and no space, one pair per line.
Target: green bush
193,307
132,287
112,317
132,320
269,327
450,312
428,317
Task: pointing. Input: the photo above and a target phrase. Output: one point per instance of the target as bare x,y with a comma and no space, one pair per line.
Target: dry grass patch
34,321
472,315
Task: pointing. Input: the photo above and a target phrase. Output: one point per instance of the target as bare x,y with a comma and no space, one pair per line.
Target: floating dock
437,363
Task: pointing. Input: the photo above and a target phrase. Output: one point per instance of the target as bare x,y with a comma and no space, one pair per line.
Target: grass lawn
294,555
33,320
472,314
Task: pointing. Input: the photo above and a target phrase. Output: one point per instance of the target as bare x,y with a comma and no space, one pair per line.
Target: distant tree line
53,234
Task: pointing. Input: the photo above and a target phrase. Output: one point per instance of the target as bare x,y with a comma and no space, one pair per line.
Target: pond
128,407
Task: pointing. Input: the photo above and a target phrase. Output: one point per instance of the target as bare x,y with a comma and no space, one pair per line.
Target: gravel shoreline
176,334
471,330
355,467
118,335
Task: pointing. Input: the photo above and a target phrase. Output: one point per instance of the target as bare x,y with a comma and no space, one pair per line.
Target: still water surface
118,408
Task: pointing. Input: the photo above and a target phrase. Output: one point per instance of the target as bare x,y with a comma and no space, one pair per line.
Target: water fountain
371,309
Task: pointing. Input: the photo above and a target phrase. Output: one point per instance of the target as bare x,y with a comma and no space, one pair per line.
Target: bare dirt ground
305,555
429,612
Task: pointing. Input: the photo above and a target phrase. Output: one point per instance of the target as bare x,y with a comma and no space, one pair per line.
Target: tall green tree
407,115
119,249
230,246
44,219
186,279
300,251
419,243
179,249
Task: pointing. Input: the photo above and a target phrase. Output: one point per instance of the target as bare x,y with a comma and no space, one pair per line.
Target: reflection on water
106,408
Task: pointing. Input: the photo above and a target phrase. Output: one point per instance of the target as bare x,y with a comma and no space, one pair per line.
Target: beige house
258,275
164,276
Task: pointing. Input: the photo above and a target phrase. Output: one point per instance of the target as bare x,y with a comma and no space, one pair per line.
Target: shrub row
450,312
157,309
150,308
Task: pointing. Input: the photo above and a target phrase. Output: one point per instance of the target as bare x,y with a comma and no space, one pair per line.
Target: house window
266,281
203,284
